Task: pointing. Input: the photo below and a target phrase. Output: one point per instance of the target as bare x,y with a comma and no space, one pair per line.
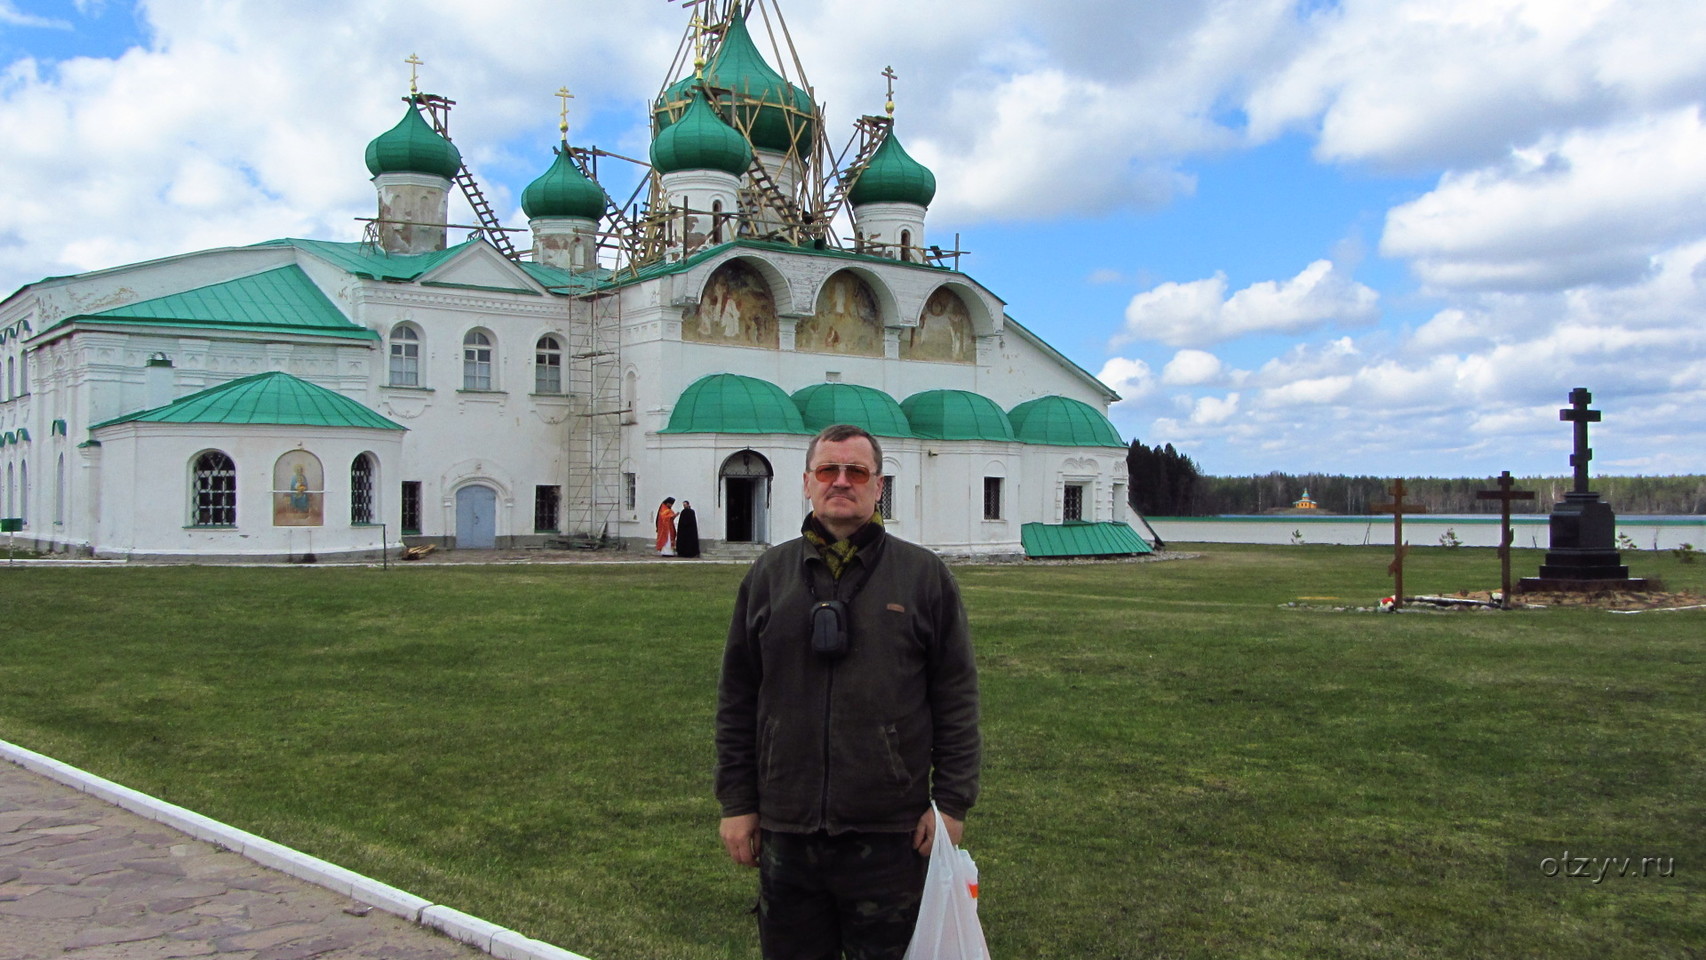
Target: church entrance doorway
476,518
746,498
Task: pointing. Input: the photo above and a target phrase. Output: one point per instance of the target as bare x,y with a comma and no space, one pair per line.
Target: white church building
303,396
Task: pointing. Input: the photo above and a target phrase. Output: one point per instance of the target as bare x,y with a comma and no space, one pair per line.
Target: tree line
1166,483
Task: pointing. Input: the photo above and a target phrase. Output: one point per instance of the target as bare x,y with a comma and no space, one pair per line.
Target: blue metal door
476,518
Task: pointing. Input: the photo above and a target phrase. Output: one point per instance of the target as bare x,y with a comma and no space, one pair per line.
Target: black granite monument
1583,555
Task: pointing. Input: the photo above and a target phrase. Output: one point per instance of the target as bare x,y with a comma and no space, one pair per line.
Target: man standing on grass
848,702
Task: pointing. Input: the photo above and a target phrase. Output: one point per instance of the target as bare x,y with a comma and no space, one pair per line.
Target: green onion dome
956,415
730,403
779,115
700,140
413,147
894,177
1062,422
824,404
563,191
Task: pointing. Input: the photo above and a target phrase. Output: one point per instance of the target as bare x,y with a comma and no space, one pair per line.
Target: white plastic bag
947,917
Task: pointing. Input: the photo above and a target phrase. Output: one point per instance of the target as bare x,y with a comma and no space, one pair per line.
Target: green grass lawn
1176,764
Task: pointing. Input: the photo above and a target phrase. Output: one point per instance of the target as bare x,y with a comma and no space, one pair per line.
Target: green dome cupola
822,404
413,147
894,177
700,140
1063,422
778,115
563,191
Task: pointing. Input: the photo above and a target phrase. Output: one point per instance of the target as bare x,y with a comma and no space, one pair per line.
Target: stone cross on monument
1583,554
1579,413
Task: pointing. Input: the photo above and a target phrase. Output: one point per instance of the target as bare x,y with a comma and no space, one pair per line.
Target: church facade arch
744,485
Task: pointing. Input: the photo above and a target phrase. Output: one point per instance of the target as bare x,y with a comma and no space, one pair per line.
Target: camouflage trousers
853,896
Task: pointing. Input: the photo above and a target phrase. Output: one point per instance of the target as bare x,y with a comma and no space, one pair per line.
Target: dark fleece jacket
865,742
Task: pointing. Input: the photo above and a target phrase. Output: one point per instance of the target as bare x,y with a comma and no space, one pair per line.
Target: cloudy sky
1365,236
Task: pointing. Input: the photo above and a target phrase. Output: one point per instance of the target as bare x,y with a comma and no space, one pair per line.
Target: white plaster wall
146,490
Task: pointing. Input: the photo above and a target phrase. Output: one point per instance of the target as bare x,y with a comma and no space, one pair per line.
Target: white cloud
1458,81
1200,312
1190,368
10,15
1208,411
1131,379
1575,208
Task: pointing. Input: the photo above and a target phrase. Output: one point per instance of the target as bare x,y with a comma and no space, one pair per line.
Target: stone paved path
83,880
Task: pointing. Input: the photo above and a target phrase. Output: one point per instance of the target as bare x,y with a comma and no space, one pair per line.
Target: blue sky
1370,236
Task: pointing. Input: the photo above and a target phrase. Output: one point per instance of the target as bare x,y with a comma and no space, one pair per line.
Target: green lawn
1176,764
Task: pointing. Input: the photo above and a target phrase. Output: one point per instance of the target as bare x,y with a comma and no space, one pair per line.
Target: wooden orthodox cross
1398,508
1505,495
1579,413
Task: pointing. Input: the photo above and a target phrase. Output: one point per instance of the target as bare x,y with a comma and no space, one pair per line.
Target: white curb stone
500,942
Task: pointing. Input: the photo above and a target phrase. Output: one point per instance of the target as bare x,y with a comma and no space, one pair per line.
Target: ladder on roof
438,111
767,194
871,133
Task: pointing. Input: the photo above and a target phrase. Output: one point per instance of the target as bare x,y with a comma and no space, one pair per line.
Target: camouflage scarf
837,554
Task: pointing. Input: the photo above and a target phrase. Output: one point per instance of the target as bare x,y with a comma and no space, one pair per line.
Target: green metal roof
956,415
265,398
563,191
413,147
700,140
730,403
1077,538
776,112
894,177
277,300
1062,422
823,404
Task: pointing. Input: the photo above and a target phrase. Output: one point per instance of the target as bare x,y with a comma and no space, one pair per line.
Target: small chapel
551,385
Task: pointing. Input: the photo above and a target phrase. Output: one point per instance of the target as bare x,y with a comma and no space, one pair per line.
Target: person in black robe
686,531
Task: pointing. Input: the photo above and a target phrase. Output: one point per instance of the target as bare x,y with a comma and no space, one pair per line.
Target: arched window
477,361
405,356
24,491
23,373
906,245
548,366
361,489
11,492
215,490
716,221
59,493
11,377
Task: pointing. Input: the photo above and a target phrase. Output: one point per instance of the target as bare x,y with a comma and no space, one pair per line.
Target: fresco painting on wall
944,332
737,308
299,490
847,320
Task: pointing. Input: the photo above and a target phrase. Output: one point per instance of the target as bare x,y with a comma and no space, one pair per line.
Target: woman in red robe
666,527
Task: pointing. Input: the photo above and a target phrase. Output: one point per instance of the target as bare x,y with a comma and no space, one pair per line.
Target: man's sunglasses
856,475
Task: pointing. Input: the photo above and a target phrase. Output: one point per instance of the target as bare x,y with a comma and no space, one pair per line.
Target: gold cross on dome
699,28
414,63
889,73
563,125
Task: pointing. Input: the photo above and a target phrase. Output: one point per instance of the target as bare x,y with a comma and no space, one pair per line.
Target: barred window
885,503
548,366
405,357
630,490
547,507
215,490
1072,505
361,489
411,506
991,498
